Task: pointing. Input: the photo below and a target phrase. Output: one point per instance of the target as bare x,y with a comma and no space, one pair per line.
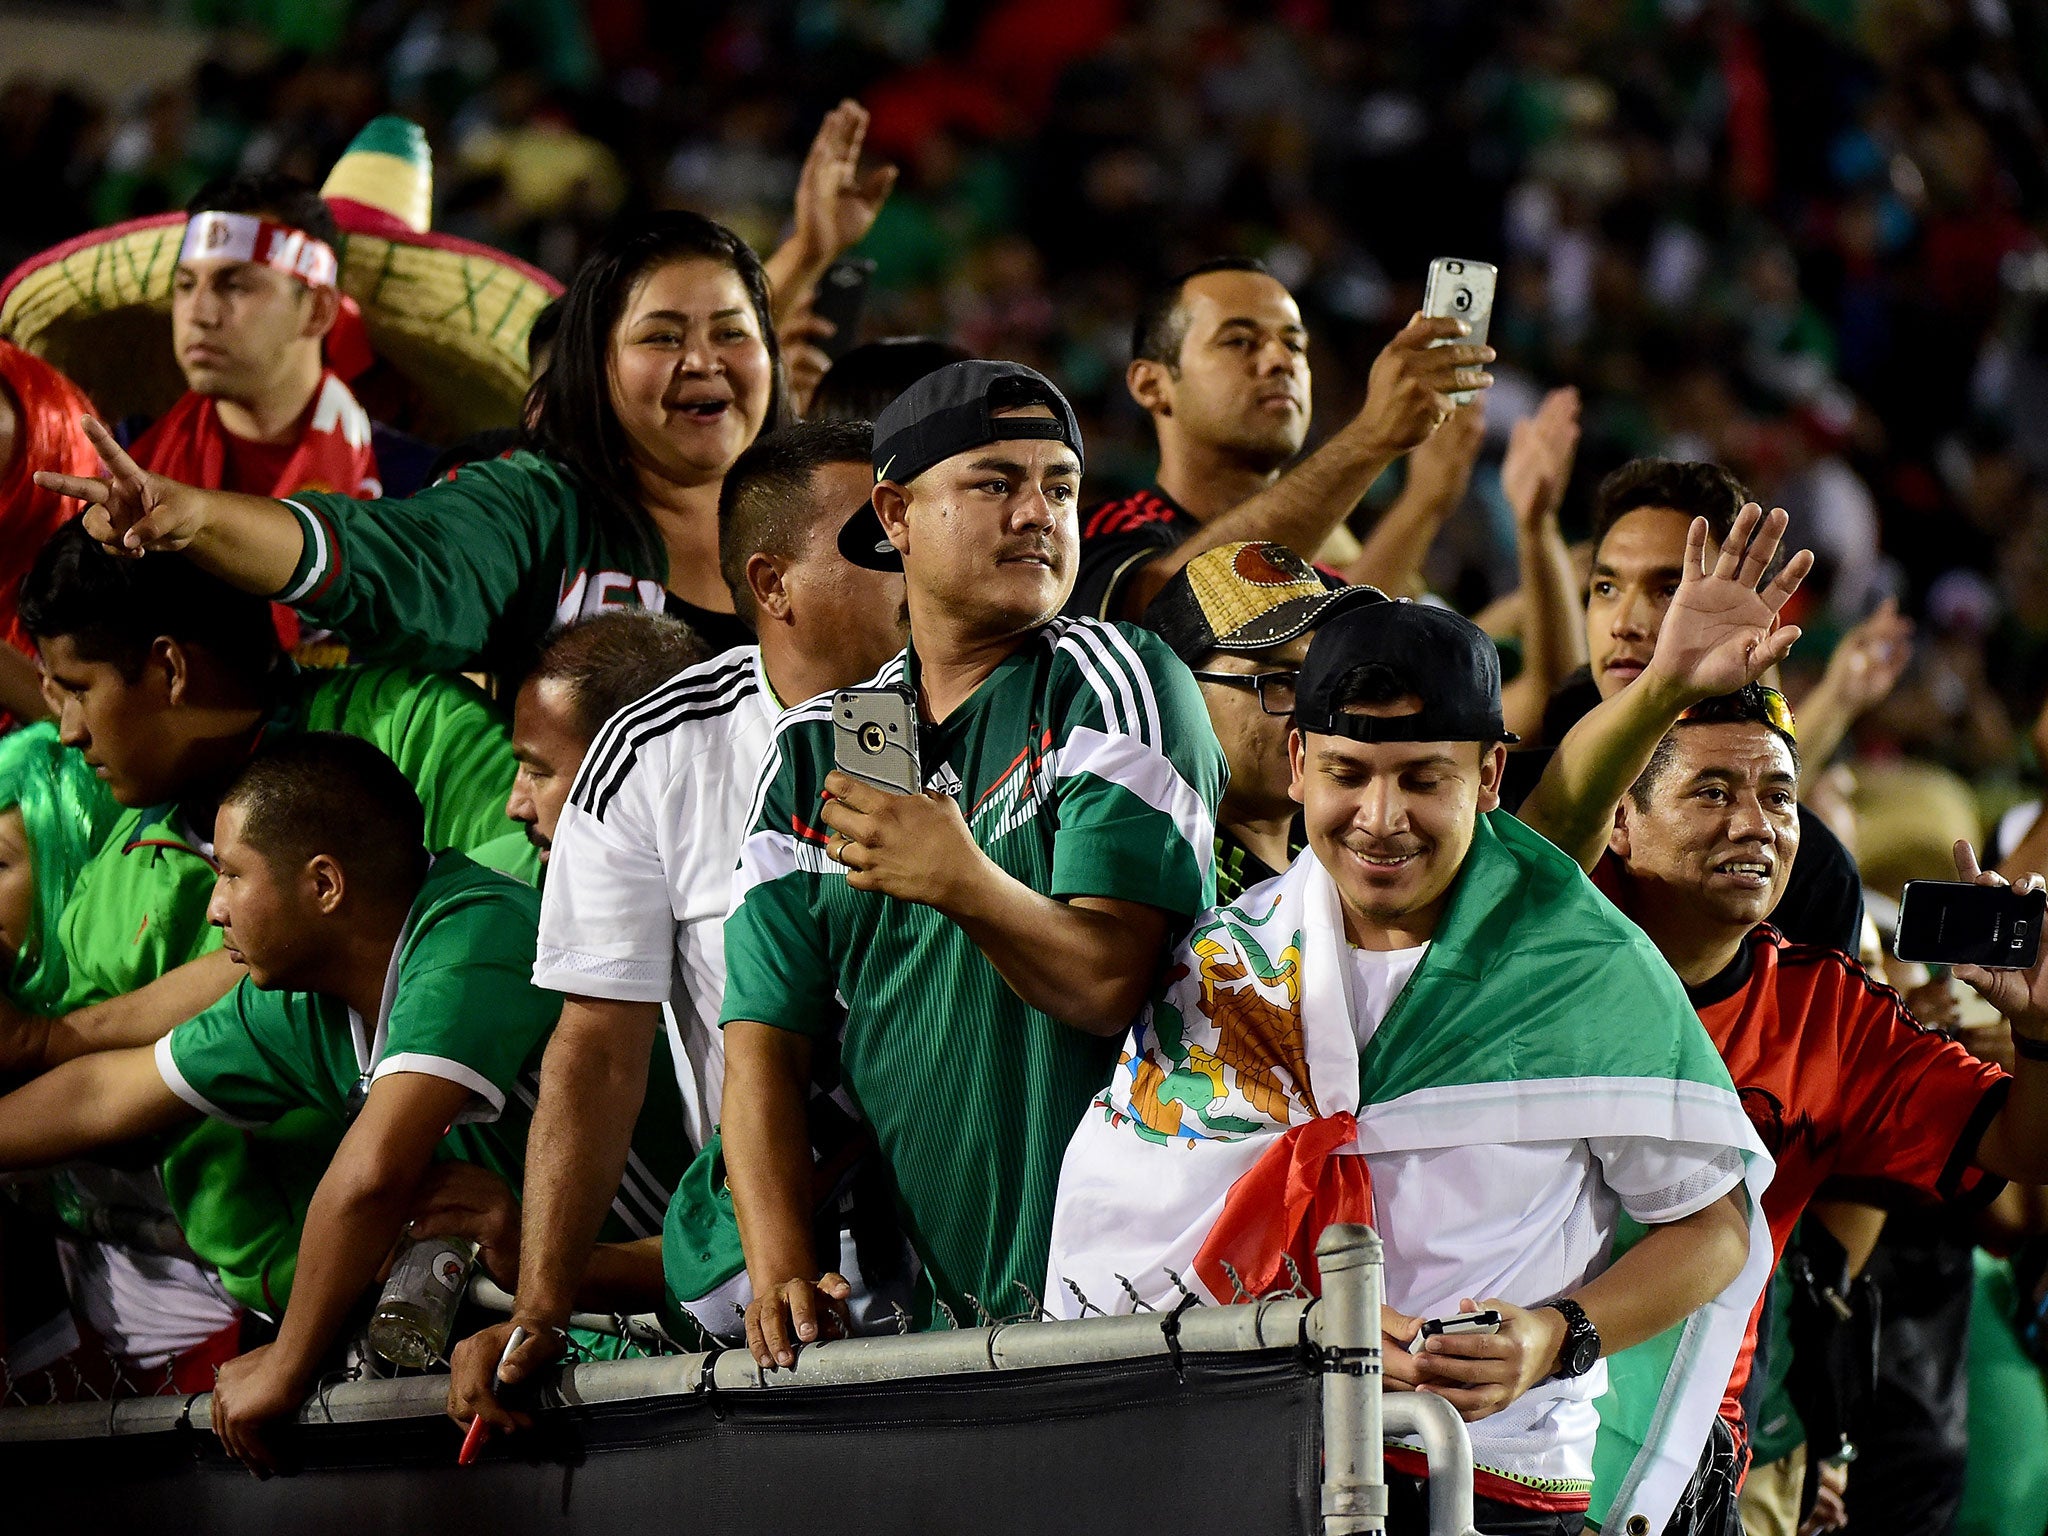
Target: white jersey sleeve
625,868
1659,1181
605,925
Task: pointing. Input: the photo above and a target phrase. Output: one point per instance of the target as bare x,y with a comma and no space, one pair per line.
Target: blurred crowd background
1802,237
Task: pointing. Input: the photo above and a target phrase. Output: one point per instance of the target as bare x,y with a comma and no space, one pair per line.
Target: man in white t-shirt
640,872
1436,1025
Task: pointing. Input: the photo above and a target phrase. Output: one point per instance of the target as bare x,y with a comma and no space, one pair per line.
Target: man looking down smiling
1432,1023
991,936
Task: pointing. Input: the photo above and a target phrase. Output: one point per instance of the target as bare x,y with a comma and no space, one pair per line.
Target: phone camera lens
1461,300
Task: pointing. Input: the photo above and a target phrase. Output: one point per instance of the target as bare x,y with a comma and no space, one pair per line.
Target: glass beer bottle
417,1309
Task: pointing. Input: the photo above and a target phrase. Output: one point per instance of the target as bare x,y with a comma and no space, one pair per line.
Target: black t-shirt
1119,537
720,631
1823,900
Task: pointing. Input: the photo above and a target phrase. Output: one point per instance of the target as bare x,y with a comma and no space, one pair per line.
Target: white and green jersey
459,1004
1085,766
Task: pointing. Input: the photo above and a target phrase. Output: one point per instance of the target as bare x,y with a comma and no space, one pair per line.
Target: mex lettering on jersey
592,592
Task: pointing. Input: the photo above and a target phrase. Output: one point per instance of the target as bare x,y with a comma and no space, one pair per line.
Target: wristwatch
1581,1347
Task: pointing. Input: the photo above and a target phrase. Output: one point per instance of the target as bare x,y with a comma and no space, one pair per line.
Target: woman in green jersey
665,368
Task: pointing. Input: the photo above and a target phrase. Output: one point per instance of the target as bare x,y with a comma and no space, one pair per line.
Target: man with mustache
1601,725
1219,361
990,937
1844,1085
639,883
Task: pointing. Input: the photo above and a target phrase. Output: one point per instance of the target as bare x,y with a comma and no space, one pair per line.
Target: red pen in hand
479,1428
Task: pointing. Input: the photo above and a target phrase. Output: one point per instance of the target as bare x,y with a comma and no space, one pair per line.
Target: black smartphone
1948,922
842,295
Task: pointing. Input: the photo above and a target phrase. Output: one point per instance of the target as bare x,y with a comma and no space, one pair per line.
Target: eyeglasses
1777,711
1275,689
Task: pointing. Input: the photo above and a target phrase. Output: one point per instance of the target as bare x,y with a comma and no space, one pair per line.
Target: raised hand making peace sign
131,511
250,542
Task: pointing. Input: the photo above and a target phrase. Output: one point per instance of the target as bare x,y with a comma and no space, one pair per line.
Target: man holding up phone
1219,361
990,938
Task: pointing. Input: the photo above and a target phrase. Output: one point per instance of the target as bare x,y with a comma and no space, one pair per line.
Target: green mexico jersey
1085,766
139,907
138,910
461,1006
471,572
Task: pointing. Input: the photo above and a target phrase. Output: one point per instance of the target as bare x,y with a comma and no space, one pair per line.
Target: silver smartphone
1487,1321
1461,290
874,738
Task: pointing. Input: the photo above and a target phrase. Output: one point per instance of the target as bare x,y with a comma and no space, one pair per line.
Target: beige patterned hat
446,318
1246,597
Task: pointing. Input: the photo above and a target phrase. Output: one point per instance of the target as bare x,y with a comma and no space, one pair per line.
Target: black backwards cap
949,411
1445,660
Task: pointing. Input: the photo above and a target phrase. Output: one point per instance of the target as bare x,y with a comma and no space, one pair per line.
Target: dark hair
324,792
284,199
113,610
541,333
766,505
569,407
1691,488
610,659
1749,705
1162,325
872,374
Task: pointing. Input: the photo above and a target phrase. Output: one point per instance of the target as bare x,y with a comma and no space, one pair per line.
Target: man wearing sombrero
253,303
423,330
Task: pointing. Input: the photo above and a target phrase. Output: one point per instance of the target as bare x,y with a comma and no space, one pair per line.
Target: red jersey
1844,1086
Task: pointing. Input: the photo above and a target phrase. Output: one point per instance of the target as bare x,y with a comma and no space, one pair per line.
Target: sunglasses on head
1777,712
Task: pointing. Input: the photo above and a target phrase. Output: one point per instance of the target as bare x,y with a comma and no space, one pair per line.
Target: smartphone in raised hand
1461,290
1950,922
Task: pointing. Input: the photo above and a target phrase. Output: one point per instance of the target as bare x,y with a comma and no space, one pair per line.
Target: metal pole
1449,1449
1348,1331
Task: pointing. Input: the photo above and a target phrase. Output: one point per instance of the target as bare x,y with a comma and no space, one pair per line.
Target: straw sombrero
446,317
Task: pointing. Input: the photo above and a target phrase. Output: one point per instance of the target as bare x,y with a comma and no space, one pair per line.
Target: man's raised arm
1407,397
2015,1144
1720,634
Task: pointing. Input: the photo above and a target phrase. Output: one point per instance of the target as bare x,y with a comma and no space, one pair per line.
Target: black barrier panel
1119,1449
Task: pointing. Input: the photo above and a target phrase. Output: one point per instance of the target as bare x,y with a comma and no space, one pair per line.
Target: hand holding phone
842,296
874,738
1486,1321
1949,922
1461,290
2019,994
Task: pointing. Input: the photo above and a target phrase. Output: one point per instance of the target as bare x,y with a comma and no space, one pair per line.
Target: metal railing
1341,1331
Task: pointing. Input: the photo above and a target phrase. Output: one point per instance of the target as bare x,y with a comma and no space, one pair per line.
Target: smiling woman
665,368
